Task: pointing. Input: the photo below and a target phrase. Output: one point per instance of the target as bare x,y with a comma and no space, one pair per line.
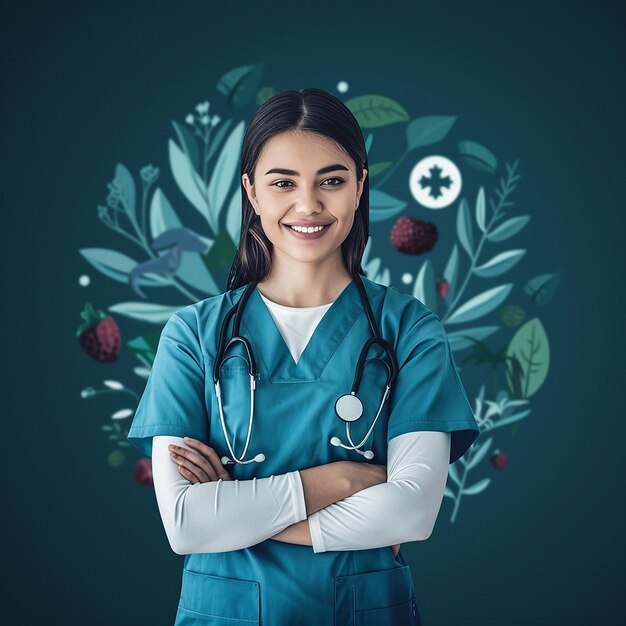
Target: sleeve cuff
299,503
316,532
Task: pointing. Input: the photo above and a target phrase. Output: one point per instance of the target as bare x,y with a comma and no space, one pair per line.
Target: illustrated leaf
216,140
464,228
117,266
541,289
383,206
511,419
499,263
424,131
377,168
454,475
126,185
461,339
223,174
121,414
530,346
425,288
508,229
452,271
113,384
368,142
480,209
233,216
480,454
188,143
481,304
373,111
476,488
145,311
447,493
188,180
241,84
478,156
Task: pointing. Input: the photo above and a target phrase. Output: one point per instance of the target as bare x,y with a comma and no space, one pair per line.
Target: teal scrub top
273,582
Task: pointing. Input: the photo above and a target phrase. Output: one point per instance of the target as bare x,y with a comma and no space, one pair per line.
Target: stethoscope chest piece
348,407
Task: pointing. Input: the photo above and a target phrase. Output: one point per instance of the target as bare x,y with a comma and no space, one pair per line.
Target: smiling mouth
307,235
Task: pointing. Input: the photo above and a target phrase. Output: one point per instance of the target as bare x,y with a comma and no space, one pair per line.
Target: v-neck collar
269,345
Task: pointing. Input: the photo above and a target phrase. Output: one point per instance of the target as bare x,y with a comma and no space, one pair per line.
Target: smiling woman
328,451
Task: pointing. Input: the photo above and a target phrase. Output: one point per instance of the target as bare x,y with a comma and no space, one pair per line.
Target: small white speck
84,280
407,278
342,86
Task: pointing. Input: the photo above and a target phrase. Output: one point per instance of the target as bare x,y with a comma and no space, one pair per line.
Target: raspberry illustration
499,459
413,236
99,336
443,286
142,472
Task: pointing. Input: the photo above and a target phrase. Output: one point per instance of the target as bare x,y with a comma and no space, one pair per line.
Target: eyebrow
324,170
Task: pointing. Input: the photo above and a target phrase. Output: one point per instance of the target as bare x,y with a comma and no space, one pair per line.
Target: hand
199,466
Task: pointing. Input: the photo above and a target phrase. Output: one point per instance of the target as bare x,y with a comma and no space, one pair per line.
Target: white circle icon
435,182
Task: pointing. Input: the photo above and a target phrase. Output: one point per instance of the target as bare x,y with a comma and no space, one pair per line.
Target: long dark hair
306,110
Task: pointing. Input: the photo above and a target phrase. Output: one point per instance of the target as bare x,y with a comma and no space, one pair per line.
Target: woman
284,515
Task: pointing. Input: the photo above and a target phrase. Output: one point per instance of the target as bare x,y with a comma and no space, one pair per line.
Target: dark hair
312,110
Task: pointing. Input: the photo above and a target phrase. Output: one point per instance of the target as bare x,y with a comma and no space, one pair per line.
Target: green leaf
425,131
481,304
499,264
530,346
373,111
508,229
478,156
384,206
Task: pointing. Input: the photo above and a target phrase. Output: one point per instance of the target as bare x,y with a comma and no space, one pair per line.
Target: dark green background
86,85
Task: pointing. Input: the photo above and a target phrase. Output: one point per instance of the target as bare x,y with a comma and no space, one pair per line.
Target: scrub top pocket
207,600
382,598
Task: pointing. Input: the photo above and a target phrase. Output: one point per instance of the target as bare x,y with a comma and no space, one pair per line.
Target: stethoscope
348,407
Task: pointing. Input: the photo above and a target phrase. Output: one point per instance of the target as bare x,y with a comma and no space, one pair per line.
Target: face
304,194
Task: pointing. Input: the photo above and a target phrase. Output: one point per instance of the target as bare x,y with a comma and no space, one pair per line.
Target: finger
190,476
211,455
190,459
190,467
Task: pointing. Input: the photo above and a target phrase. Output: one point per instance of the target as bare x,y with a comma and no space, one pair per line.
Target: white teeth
310,229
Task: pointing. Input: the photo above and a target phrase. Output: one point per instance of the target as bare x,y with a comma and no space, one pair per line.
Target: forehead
305,149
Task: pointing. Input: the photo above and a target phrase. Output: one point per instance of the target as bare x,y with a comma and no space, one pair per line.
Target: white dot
407,278
342,86
84,280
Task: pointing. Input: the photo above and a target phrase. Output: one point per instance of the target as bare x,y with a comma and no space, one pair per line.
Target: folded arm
403,509
224,515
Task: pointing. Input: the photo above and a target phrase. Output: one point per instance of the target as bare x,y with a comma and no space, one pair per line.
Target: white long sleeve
221,515
403,509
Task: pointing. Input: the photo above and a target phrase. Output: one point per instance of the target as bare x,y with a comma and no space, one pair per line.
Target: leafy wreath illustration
204,164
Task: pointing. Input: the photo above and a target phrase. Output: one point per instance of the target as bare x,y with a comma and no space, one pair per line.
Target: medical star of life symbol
435,182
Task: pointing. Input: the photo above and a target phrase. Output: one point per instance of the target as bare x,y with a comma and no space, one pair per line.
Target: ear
249,191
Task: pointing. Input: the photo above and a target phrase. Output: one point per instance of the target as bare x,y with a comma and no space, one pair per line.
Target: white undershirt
219,516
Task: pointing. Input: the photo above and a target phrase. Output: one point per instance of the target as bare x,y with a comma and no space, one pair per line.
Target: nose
309,204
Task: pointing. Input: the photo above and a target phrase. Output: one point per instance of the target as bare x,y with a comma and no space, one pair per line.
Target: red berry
499,460
142,472
99,335
412,236
443,286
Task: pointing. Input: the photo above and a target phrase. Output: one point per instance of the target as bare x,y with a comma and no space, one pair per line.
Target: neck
305,284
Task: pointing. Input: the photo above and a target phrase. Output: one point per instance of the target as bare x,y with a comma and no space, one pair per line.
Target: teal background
85,86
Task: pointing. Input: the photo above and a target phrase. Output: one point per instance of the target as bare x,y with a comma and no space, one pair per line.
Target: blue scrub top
274,582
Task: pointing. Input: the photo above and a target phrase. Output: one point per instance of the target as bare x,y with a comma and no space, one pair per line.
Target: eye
340,181
278,184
